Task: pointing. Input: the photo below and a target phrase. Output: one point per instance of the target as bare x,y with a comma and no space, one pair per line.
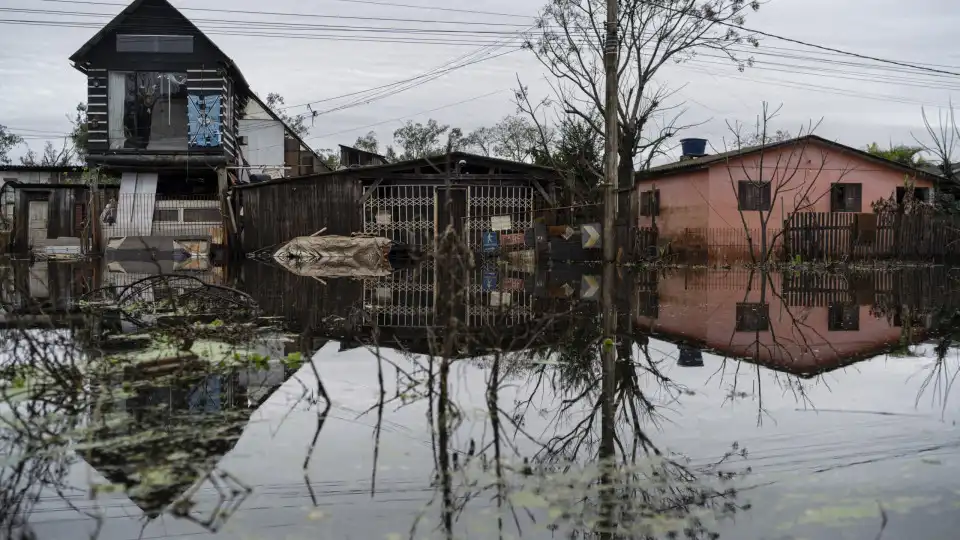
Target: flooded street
258,403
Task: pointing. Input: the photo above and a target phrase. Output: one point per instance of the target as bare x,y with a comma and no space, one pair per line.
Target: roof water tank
694,147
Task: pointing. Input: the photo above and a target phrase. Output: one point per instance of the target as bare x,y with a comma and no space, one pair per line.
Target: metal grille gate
405,298
487,206
408,213
402,213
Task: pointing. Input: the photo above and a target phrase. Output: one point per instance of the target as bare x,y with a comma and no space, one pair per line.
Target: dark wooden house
47,214
355,157
159,91
409,202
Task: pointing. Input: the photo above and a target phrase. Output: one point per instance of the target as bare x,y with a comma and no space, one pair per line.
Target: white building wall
264,144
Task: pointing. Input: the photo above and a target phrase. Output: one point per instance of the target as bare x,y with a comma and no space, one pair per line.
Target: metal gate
408,213
405,298
402,213
502,209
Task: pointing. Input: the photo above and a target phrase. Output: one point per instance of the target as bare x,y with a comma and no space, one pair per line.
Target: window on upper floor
753,195
147,110
650,203
168,44
846,197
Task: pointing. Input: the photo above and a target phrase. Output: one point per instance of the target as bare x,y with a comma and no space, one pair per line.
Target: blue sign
490,242
490,281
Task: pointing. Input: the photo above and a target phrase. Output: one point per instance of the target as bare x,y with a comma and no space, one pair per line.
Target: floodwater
261,404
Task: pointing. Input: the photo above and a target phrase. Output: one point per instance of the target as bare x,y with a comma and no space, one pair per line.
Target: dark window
648,304
753,317
754,195
650,203
843,317
920,194
166,215
846,197
148,110
201,215
154,44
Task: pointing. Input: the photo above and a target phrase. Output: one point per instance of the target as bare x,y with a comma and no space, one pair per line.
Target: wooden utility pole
609,312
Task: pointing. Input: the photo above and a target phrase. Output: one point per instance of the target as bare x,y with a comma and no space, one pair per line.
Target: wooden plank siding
97,126
274,213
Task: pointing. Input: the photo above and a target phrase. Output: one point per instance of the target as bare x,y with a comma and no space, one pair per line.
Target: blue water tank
694,147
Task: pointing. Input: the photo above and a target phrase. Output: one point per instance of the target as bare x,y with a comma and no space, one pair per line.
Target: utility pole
608,307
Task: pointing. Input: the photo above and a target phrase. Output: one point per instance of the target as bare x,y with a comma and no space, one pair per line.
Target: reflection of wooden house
163,442
408,202
768,320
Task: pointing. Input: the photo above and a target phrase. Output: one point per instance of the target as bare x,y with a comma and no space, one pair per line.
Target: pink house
742,315
708,202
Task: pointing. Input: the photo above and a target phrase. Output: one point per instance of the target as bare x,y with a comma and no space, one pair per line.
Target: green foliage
418,140
513,137
79,134
901,153
368,143
293,360
329,157
296,123
8,141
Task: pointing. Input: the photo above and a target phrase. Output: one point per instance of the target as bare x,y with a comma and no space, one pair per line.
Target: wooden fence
851,236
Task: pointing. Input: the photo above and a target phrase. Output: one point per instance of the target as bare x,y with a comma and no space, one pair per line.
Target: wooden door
38,218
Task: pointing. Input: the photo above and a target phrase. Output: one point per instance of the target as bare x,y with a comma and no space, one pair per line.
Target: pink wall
805,169
702,305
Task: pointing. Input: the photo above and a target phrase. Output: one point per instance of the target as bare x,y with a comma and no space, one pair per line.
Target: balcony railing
148,214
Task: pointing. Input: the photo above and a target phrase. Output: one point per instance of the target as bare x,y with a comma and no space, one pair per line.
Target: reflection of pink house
697,201
736,314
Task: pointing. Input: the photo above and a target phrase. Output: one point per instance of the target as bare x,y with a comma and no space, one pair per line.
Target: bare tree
570,44
942,143
781,179
51,156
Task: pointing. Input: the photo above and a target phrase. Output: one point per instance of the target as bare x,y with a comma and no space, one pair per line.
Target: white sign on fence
384,218
500,223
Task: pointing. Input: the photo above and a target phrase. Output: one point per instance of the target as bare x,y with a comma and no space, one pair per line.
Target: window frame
763,197
762,311
843,317
154,43
651,207
841,203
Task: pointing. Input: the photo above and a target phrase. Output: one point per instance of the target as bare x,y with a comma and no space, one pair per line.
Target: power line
447,106
696,14
372,2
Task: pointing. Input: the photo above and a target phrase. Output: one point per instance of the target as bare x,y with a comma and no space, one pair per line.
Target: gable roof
129,10
707,161
289,131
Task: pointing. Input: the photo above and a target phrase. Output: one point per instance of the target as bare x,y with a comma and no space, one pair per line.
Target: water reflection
466,401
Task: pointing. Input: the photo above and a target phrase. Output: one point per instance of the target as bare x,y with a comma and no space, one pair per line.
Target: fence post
96,242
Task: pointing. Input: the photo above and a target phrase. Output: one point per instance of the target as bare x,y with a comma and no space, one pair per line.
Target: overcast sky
39,88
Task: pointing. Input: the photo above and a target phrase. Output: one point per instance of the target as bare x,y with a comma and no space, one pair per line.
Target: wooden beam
543,192
369,191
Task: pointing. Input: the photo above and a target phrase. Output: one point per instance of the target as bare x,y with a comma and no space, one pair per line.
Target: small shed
409,202
46,214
